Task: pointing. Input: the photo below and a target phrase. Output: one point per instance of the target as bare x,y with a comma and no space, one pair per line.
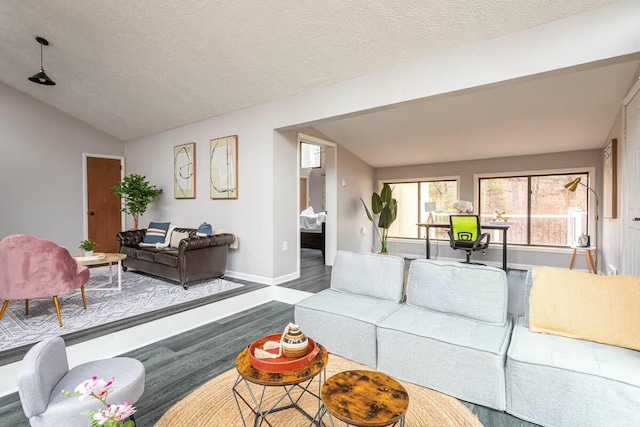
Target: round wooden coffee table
300,379
365,399
106,259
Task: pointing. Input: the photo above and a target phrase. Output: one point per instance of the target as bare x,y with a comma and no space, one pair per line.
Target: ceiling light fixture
41,77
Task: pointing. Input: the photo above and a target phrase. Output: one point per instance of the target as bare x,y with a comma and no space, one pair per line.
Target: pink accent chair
37,268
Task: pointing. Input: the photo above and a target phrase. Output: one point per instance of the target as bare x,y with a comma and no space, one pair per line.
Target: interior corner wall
41,168
250,216
286,221
466,170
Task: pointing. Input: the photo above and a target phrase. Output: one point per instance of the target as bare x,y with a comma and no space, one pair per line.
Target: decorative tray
89,258
282,363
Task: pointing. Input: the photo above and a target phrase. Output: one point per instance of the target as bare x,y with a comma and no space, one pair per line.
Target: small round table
365,399
587,251
300,379
105,258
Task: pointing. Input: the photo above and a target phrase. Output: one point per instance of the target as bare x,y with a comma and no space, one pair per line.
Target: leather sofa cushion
169,258
129,251
146,255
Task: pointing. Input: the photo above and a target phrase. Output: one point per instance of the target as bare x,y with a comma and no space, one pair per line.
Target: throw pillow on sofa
204,230
177,237
156,232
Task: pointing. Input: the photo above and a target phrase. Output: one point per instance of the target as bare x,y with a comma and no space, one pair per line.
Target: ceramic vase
88,253
295,344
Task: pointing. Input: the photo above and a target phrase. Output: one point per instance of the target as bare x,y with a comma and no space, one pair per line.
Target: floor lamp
572,186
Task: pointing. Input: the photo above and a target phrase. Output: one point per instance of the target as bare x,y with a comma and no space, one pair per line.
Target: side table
300,379
364,399
587,251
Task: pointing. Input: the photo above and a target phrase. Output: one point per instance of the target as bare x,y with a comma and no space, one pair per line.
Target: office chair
465,235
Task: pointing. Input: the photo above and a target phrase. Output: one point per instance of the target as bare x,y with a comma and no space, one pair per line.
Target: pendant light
41,77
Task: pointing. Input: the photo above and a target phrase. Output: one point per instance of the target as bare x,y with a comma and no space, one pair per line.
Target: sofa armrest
193,243
131,238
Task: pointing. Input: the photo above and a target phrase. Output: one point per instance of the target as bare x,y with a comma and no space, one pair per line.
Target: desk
504,229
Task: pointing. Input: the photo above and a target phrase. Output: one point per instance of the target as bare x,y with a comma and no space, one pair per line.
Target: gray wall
611,242
316,187
466,171
41,168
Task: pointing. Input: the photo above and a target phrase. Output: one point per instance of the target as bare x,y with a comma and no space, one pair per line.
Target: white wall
41,168
564,43
467,169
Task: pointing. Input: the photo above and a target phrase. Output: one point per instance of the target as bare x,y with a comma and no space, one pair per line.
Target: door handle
635,219
91,213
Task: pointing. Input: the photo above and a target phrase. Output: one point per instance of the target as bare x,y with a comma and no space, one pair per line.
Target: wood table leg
55,302
26,307
4,307
573,259
590,265
84,299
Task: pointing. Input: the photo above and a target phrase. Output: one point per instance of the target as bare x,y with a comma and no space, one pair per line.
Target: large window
411,197
546,214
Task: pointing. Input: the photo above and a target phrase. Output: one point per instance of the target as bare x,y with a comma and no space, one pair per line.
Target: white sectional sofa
455,333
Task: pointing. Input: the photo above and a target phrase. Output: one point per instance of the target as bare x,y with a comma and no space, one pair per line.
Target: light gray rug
140,294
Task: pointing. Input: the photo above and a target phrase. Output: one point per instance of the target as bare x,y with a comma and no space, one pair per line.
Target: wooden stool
364,399
587,250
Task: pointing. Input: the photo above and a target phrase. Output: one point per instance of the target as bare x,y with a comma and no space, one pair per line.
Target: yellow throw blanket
604,309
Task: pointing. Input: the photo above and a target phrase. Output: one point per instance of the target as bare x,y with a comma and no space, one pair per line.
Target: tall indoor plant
385,210
137,193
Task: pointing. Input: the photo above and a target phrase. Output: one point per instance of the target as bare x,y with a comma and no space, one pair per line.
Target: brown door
105,218
303,194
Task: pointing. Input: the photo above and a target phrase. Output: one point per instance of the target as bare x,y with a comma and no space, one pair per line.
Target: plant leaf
376,204
385,219
385,194
367,211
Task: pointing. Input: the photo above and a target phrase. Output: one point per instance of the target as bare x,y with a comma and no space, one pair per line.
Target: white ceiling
567,112
133,68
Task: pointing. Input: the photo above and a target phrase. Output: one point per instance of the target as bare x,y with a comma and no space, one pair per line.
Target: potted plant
137,193
87,246
111,415
385,209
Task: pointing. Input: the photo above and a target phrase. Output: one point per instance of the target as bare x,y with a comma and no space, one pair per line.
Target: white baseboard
271,281
289,296
147,333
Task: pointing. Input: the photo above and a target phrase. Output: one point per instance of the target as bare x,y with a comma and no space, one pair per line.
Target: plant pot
88,253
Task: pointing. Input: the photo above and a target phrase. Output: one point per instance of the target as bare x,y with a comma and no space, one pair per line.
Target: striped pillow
156,232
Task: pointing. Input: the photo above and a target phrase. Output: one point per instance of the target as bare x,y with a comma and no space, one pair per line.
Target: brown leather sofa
196,258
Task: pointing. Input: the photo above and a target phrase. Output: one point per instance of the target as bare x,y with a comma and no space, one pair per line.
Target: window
310,155
411,197
546,214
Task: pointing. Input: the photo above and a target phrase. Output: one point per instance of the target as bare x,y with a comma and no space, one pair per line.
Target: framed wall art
184,171
223,157
610,181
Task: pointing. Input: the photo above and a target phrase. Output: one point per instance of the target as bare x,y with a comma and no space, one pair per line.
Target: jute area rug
213,405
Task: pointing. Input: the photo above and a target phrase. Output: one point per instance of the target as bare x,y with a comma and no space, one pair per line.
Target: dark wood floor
314,275
177,365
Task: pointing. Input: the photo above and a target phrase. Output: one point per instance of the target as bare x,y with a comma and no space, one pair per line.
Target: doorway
630,228
323,200
103,218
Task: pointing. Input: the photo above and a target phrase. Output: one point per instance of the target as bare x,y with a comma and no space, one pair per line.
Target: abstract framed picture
184,171
223,157
610,184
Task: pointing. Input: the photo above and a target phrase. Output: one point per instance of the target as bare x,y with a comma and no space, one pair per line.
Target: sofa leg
124,269
26,307
4,307
185,286
55,302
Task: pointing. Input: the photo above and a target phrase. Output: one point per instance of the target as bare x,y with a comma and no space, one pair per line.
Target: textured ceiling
133,68
573,111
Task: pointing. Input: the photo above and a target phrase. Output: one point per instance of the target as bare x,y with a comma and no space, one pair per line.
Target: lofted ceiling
554,113
134,68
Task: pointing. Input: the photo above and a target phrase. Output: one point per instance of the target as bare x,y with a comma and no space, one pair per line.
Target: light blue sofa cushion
527,293
471,291
378,276
563,382
451,354
344,323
